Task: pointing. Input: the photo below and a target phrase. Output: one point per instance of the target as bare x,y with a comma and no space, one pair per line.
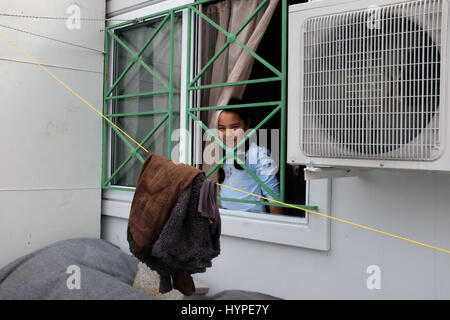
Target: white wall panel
31,219
50,141
114,7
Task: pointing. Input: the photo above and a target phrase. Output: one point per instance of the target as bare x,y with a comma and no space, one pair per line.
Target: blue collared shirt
259,160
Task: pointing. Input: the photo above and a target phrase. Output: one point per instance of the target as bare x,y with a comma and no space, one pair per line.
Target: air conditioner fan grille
372,83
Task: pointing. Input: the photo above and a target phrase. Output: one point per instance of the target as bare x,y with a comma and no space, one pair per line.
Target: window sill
312,232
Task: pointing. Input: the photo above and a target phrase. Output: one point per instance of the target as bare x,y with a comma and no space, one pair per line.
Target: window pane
141,104
137,127
156,56
139,80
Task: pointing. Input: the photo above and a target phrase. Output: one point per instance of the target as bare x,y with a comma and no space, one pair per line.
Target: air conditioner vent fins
372,83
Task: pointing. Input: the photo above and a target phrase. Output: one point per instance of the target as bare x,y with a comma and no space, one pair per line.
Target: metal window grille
372,83
192,87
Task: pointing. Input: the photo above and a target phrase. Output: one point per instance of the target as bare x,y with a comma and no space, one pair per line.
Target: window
162,78
145,93
261,92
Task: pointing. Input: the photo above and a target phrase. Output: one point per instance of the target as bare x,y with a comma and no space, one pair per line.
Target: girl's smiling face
231,127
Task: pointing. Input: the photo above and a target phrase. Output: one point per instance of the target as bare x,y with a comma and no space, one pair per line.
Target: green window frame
191,80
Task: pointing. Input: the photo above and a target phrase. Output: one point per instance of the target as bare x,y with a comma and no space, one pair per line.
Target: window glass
150,80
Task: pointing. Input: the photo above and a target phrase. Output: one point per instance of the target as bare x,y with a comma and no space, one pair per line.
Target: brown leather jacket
161,182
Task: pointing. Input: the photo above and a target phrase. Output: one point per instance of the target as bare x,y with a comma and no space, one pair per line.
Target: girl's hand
276,210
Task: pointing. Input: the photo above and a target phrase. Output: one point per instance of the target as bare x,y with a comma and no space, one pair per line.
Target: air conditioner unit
368,84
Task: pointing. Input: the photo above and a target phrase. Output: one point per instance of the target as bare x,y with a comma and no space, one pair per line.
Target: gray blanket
101,270
106,273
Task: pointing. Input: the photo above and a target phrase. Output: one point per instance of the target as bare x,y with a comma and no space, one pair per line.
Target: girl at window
232,124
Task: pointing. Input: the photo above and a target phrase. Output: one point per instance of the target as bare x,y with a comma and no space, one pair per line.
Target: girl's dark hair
241,112
245,116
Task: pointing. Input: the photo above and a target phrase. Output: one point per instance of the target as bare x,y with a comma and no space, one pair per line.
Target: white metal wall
411,204
50,141
408,204
115,7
